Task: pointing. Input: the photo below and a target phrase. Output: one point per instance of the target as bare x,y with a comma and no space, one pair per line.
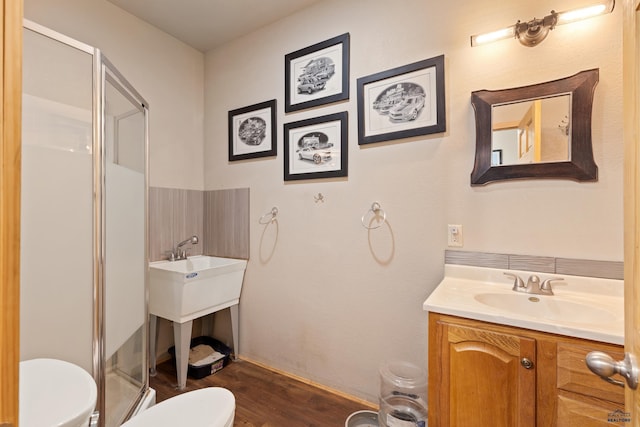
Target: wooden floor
264,398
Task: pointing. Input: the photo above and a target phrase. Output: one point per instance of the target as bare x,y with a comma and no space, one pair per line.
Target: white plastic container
364,418
403,395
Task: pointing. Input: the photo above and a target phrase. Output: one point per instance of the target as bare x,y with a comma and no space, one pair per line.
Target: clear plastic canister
403,395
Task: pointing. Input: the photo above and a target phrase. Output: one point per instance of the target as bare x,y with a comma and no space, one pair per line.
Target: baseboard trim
365,403
163,358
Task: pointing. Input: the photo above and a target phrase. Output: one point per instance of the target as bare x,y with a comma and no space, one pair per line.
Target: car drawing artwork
315,75
313,147
401,102
313,141
317,156
252,131
408,109
310,84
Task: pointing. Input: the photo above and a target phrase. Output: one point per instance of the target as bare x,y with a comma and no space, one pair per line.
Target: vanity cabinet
483,374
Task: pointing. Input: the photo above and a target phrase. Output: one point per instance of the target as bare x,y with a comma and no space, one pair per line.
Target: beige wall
327,300
165,71
323,298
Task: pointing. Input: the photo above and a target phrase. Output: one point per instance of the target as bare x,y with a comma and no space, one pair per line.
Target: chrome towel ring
269,217
375,212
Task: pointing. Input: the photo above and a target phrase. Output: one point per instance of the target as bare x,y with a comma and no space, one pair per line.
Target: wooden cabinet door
477,379
576,410
584,399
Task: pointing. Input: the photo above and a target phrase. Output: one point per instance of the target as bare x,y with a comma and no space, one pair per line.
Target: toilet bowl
55,393
206,407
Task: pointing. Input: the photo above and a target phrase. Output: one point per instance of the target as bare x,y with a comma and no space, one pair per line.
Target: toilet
206,407
55,393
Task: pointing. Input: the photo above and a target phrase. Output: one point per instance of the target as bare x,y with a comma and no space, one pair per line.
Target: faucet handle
518,283
533,281
546,285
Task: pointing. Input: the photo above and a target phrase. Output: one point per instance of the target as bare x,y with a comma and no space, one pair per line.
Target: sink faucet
533,285
179,254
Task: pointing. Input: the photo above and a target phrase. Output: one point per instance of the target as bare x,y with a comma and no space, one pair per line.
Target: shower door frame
118,81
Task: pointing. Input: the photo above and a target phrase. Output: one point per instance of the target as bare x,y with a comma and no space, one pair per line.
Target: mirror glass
532,131
537,131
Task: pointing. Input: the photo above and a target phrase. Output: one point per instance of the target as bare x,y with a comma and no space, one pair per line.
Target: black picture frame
253,131
317,75
316,148
402,102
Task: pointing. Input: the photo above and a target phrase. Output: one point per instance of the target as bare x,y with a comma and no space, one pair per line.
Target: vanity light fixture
533,32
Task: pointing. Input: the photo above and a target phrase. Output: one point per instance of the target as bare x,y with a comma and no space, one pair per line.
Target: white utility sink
184,290
187,289
581,307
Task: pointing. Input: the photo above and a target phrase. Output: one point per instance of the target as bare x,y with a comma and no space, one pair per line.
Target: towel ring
376,210
269,217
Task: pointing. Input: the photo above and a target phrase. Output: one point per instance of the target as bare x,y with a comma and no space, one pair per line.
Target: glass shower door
56,289
125,313
83,220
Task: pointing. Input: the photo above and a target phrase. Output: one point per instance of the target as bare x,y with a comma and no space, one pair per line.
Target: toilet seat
206,407
55,393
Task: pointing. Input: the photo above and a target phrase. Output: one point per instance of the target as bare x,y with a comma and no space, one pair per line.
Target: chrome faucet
533,285
179,254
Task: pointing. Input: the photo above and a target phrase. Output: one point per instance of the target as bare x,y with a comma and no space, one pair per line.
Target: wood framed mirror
537,131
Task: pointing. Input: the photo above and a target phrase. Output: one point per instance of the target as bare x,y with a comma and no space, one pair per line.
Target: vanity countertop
581,307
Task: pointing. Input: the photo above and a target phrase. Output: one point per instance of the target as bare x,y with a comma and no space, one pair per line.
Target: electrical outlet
454,235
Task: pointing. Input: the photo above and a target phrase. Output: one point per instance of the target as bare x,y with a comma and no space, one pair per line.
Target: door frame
11,14
631,127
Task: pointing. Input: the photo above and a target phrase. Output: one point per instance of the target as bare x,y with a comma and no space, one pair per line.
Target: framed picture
252,131
316,148
403,102
317,74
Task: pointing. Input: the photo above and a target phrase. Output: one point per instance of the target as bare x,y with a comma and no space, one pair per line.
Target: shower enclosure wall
83,220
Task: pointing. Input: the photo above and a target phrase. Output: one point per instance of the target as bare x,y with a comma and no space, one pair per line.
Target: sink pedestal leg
234,330
153,343
182,339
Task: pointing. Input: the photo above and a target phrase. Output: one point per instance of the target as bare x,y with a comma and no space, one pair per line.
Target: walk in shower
83,220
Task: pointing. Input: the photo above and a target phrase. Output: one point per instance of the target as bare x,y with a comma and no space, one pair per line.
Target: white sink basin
187,289
546,307
581,307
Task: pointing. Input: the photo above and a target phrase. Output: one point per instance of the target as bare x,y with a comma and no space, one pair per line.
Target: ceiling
207,24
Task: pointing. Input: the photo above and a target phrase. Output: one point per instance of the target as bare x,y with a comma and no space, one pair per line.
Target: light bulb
582,13
493,36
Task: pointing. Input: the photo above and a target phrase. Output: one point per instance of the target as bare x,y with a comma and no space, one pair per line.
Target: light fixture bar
531,33
585,12
505,33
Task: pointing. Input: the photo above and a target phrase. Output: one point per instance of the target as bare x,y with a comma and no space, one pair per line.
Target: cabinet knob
526,363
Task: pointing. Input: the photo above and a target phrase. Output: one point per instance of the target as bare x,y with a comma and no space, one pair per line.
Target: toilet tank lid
55,393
